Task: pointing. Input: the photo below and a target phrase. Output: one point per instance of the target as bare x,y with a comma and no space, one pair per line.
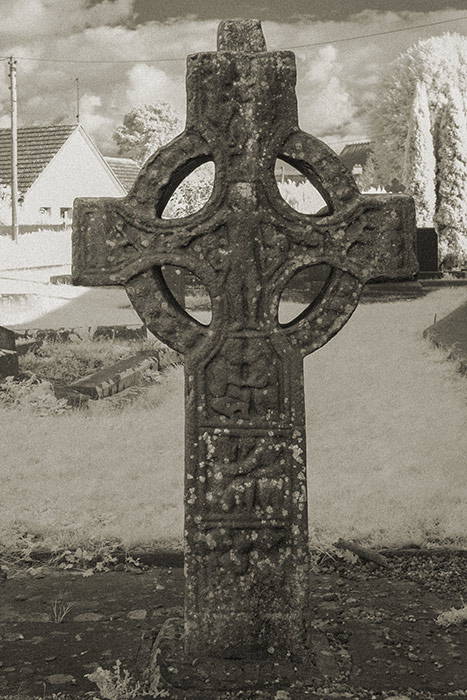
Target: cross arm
373,237
110,245
108,249
94,221
380,242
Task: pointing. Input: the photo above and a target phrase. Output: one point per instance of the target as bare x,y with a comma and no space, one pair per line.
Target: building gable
37,145
125,169
355,155
77,169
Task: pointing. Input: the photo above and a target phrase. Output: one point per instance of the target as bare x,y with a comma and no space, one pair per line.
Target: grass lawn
386,417
35,249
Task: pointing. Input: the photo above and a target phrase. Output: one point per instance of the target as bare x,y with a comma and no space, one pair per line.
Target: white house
56,164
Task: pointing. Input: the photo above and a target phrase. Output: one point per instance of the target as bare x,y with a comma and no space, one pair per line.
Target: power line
70,60
354,140
182,58
388,31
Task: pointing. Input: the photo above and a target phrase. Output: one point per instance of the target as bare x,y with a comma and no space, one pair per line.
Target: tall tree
438,62
145,129
451,181
419,166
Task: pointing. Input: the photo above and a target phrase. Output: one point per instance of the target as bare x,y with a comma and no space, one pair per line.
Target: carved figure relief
246,477
235,549
244,380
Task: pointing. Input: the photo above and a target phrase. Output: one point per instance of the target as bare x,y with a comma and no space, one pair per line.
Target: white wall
75,171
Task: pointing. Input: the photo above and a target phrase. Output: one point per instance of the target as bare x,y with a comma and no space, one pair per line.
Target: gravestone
427,249
8,354
246,532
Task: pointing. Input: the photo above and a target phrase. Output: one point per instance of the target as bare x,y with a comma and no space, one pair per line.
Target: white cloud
59,17
147,84
327,104
96,123
333,86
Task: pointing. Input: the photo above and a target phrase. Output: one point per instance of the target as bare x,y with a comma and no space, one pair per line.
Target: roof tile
37,145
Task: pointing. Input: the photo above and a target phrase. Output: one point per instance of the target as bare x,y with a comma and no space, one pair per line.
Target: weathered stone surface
8,363
24,346
7,339
8,354
246,534
119,376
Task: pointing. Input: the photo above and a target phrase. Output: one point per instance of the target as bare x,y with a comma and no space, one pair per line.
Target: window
66,213
45,211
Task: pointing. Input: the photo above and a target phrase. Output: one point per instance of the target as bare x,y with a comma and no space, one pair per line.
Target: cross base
170,668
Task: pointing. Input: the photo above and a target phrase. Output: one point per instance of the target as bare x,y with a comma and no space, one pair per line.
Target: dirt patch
104,616
374,629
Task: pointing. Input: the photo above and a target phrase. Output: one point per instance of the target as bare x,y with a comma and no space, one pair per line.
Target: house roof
37,145
355,154
125,169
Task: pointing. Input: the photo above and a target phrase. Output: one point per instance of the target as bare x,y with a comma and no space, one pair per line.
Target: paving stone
88,617
59,679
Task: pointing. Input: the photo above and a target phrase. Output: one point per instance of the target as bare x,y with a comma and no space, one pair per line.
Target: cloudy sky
128,52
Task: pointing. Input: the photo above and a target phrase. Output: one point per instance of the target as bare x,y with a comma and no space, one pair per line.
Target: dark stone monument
8,354
427,249
246,532
7,339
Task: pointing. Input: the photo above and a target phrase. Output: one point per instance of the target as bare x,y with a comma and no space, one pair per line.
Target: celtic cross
246,531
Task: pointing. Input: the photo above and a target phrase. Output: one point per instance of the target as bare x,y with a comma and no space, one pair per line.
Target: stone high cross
246,532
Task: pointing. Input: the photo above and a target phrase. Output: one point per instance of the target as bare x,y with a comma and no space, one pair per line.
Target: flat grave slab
450,333
119,376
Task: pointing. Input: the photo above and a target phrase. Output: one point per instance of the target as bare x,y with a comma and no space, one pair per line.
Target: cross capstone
246,531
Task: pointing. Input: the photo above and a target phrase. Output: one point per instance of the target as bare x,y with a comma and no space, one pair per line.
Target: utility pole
77,99
14,151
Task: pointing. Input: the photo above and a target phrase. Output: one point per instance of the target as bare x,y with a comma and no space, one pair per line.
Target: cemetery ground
91,514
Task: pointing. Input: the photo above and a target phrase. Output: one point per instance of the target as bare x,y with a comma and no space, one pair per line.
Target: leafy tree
440,63
191,194
418,173
145,129
451,191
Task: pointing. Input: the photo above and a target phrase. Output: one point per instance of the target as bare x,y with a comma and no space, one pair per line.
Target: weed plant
67,362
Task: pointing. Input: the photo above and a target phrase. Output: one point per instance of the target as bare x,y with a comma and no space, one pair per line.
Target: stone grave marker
246,532
8,354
